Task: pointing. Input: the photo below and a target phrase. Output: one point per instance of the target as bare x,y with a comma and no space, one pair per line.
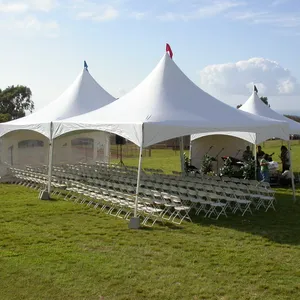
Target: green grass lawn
61,250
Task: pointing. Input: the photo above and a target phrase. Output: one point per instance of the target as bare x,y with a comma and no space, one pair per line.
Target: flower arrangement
206,164
249,169
227,169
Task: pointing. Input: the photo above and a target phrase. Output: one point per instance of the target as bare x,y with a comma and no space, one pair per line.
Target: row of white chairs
261,194
235,200
122,204
209,199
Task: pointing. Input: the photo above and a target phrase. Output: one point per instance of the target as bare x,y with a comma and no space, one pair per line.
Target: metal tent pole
134,222
181,145
255,161
291,170
46,195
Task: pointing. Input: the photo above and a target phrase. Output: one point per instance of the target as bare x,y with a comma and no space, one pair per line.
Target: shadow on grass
281,226
162,226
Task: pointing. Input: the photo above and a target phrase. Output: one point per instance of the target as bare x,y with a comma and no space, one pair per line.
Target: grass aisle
61,250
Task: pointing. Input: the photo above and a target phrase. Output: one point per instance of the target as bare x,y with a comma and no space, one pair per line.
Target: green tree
15,101
4,118
265,100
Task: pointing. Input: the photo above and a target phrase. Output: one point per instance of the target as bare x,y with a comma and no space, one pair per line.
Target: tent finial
255,89
169,50
86,66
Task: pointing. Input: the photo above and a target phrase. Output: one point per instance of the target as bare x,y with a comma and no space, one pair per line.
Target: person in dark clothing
247,155
259,153
259,156
285,159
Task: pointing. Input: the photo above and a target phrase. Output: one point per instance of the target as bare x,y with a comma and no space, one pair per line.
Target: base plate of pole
44,195
134,223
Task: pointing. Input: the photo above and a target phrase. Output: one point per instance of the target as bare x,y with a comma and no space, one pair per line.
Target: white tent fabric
255,106
84,95
165,105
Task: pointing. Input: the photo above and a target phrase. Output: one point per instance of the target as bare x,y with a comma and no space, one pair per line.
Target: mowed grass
61,250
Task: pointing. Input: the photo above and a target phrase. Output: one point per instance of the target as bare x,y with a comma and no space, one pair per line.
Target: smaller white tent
255,106
25,141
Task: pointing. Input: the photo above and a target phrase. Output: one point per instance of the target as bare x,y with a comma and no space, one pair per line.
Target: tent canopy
255,106
165,105
82,96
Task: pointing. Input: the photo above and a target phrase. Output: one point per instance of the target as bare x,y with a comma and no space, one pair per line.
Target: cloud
238,78
268,18
138,15
23,18
202,11
42,5
278,2
102,14
31,25
121,92
88,10
13,7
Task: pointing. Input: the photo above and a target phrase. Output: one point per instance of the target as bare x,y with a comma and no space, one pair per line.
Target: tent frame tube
291,170
181,145
255,161
50,161
135,221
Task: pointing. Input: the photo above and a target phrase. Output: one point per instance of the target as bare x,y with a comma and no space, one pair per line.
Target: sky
224,46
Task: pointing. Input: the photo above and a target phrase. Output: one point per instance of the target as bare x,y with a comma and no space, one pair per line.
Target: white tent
82,96
165,105
36,129
255,106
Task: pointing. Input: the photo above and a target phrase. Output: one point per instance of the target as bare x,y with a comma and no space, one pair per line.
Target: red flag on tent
168,49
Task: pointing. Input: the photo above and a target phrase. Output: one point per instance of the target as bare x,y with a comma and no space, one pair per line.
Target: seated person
247,155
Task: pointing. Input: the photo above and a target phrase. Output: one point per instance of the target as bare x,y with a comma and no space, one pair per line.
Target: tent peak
169,50
85,65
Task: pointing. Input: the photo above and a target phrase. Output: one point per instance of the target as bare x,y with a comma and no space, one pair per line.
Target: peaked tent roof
166,104
255,106
82,96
